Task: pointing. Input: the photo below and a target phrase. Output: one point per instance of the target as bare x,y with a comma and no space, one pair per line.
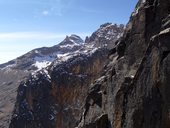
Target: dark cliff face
54,96
134,90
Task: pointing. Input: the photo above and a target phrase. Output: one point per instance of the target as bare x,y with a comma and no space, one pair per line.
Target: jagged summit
105,25
72,45
72,40
107,32
41,57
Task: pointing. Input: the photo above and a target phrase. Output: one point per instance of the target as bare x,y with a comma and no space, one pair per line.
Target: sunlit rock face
53,95
134,90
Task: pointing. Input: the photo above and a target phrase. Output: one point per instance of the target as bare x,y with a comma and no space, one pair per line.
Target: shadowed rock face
55,99
134,90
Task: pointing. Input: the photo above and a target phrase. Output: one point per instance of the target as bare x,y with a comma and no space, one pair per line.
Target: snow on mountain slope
73,45
42,57
31,63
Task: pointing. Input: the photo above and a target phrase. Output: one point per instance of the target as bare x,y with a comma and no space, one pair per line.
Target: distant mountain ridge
44,56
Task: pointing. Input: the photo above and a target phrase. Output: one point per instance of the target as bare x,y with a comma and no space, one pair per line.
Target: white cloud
29,35
45,13
53,7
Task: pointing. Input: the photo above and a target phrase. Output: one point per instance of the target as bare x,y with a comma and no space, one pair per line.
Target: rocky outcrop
54,98
134,90
106,35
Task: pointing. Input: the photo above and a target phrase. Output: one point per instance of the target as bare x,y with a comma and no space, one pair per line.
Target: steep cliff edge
134,90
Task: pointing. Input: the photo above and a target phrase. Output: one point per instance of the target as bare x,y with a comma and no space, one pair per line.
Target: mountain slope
13,72
45,55
48,72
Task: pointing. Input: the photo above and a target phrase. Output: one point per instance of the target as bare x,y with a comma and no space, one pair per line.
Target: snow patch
93,51
36,51
132,76
143,1
47,74
64,57
51,117
136,11
8,67
70,45
42,64
25,85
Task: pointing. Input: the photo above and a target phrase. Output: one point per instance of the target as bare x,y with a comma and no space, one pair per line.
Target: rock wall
134,90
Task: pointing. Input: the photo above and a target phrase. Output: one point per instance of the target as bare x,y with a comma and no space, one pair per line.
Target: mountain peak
107,32
105,25
72,40
70,63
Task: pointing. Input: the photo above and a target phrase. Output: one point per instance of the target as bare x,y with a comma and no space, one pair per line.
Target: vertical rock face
54,96
54,99
134,90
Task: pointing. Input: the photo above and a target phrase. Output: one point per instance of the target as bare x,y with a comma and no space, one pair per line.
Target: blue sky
28,24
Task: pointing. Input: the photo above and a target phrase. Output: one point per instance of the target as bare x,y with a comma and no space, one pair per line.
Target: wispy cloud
35,35
44,7
50,8
32,35
59,7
